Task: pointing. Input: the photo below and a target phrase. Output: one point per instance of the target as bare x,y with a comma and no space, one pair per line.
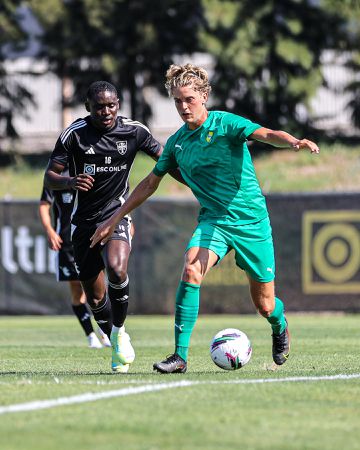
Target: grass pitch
312,402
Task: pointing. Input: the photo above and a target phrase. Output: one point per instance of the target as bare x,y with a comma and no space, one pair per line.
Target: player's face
190,105
103,110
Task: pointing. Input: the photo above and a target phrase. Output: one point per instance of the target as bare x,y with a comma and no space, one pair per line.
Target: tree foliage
350,9
13,95
266,53
268,57
127,42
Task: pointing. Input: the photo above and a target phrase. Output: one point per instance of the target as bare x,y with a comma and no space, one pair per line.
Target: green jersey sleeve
238,127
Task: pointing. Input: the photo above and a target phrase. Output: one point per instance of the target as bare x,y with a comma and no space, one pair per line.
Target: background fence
317,246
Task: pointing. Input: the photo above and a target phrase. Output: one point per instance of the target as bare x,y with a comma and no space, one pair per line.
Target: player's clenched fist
81,182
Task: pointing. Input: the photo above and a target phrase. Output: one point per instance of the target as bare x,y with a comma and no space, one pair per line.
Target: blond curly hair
187,75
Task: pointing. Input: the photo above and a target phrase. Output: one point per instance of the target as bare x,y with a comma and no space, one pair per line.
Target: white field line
91,397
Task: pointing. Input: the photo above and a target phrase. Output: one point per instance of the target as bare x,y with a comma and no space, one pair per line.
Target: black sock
82,313
119,297
102,315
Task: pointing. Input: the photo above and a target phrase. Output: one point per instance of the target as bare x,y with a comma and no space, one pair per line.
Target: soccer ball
230,349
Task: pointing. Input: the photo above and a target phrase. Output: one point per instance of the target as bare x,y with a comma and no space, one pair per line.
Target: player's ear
87,106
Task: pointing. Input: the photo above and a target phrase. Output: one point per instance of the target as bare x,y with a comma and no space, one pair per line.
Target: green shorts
253,245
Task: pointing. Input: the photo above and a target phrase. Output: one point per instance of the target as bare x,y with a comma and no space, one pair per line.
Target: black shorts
65,265
89,261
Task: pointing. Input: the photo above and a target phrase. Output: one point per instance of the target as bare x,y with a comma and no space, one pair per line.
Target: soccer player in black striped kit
55,208
100,150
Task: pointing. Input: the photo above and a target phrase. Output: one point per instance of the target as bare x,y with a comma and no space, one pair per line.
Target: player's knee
94,301
191,274
76,301
265,312
95,295
265,307
264,303
117,273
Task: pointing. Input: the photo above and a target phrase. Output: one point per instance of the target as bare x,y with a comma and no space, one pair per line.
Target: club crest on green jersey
209,137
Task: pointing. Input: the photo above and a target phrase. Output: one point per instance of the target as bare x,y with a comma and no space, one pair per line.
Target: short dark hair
100,86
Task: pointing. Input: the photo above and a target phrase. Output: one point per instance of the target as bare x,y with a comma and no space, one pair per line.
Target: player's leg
95,292
254,253
78,301
198,262
116,256
90,265
272,308
66,271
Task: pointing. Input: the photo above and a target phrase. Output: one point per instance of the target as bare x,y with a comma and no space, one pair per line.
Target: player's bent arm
55,181
175,173
282,139
143,190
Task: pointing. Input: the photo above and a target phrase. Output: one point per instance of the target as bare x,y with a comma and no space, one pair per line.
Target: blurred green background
337,168
289,64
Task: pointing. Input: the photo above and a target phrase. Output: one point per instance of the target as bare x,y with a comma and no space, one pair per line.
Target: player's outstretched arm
143,190
282,139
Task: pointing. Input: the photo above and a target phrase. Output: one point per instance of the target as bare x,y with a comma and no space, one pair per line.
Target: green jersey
215,162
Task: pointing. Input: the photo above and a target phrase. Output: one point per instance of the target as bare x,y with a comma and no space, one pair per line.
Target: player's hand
305,144
103,233
54,241
81,182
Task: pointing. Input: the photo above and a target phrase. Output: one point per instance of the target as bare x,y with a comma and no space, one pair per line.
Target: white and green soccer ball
230,349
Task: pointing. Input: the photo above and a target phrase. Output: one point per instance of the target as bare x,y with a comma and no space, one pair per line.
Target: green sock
186,313
277,318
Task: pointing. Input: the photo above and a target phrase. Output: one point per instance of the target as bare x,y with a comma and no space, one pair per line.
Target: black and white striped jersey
108,157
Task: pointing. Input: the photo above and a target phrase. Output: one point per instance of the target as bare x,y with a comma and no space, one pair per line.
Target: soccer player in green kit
211,152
